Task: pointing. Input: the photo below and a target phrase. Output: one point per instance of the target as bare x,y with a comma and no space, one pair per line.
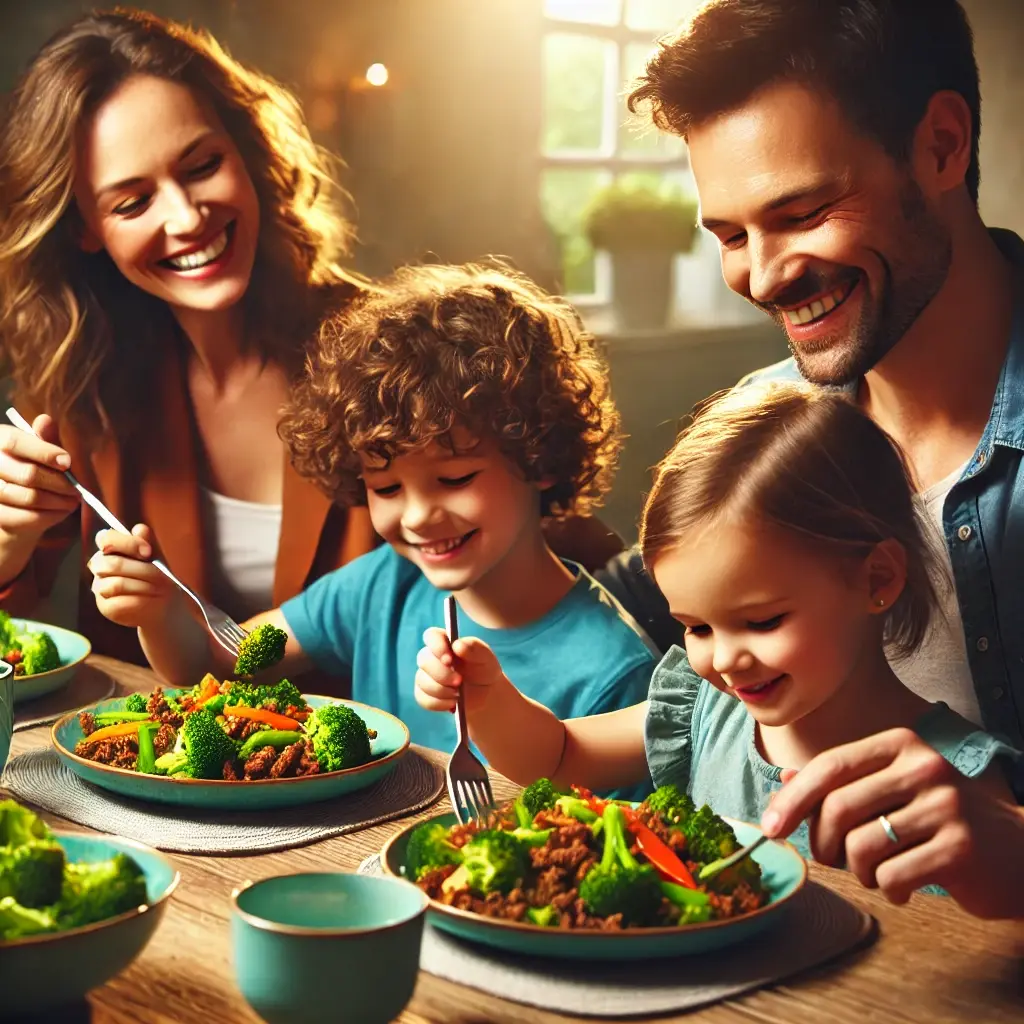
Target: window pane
575,70
593,12
637,136
564,194
658,15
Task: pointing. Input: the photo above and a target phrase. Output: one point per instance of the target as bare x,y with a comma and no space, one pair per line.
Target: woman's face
163,189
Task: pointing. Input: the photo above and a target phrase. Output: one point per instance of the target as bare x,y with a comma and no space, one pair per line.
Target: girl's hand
964,834
34,493
129,589
444,668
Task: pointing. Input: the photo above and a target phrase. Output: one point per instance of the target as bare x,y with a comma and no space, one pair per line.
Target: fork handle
451,625
94,503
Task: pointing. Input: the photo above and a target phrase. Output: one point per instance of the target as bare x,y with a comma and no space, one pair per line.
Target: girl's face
770,621
163,189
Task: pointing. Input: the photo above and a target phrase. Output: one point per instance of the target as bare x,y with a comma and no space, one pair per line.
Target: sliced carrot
208,689
259,715
109,732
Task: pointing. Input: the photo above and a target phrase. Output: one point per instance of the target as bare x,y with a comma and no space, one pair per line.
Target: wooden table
931,962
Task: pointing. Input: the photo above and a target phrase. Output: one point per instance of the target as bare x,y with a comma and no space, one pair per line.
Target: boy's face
457,516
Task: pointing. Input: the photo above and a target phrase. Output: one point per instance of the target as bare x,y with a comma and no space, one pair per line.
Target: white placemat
817,926
39,778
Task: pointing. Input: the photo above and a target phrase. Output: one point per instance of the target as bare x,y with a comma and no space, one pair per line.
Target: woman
168,248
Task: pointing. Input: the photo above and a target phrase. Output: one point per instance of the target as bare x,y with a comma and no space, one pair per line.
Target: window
593,50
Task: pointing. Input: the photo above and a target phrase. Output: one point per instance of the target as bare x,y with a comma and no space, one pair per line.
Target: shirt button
997,693
964,532
982,643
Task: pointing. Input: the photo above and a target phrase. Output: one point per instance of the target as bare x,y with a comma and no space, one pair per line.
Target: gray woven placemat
818,925
88,685
39,778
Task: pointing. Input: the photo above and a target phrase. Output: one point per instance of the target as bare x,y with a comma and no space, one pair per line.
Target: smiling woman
169,244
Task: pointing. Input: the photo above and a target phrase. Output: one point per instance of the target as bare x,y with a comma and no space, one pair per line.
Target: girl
782,530
168,247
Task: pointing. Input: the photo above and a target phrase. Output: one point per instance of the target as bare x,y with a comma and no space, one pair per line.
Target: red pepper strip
662,856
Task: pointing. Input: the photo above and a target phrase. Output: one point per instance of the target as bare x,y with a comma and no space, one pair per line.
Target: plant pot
641,288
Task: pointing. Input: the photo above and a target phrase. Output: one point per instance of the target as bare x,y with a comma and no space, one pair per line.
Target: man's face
819,227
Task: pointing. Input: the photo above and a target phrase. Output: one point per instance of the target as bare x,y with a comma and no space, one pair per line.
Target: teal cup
6,711
324,948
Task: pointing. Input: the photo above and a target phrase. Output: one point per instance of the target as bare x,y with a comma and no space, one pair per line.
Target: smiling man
834,144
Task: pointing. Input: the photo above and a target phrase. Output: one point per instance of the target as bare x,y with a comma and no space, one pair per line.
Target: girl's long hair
807,461
77,337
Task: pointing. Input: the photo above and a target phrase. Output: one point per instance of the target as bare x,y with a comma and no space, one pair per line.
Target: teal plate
73,649
49,971
783,871
387,748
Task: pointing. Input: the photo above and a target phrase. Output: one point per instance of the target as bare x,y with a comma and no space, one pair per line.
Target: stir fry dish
41,891
574,861
29,653
235,731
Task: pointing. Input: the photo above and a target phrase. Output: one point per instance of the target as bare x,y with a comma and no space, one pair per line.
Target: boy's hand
129,589
444,668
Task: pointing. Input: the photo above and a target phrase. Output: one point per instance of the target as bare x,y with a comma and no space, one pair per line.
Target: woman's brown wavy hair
809,462
76,337
441,347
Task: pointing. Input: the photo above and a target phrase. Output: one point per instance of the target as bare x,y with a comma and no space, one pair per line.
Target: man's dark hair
880,60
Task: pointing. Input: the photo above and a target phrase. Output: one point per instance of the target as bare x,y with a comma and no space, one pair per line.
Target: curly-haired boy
462,405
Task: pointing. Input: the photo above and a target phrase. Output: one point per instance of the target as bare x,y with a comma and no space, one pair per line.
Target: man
834,144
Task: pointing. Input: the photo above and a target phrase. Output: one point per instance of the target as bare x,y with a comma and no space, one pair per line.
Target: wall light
377,74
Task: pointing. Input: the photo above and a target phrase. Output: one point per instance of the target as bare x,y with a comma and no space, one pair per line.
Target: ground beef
88,722
119,752
287,761
250,728
158,707
308,765
234,727
164,739
230,772
432,880
259,764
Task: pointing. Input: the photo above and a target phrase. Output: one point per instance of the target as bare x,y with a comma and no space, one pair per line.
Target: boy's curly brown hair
477,347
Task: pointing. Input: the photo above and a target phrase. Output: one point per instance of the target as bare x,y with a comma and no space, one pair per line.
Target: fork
718,866
228,633
469,788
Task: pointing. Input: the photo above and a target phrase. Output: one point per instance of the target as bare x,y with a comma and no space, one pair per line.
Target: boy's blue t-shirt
366,621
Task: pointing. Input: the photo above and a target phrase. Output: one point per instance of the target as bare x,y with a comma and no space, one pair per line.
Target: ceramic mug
325,948
6,711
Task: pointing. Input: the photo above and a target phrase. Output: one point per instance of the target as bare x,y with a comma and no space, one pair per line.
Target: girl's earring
881,602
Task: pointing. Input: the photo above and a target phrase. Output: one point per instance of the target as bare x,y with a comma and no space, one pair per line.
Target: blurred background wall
498,121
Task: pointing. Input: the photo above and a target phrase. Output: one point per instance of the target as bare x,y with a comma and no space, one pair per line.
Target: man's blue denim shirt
983,521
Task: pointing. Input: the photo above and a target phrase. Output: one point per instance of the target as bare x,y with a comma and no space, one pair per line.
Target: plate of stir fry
573,876
232,744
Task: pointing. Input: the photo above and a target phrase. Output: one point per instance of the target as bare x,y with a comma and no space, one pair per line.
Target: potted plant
642,228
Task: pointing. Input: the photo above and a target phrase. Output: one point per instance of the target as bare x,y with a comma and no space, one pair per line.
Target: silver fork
222,627
469,788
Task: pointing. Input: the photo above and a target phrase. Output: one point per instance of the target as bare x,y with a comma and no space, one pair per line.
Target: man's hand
966,835
444,668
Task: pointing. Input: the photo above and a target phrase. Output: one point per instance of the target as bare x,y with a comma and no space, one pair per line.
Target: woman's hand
34,493
445,668
964,834
129,589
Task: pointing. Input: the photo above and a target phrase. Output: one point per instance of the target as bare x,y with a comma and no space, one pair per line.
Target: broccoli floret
38,653
17,921
32,874
216,704
95,891
429,847
574,807
281,695
206,746
672,803
18,825
495,861
7,631
261,649
709,838
339,737
539,796
619,884
276,738
543,917
135,702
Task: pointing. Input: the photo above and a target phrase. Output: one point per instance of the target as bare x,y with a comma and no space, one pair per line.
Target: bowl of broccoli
572,876
75,910
44,657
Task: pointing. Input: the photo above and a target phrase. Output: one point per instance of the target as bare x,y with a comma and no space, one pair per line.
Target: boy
462,405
